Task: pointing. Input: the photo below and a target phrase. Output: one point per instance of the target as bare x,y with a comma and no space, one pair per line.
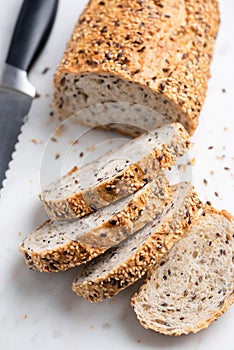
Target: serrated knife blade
14,106
32,30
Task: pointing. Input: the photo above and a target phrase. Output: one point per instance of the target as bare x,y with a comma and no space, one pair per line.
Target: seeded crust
189,300
123,171
153,53
56,247
104,277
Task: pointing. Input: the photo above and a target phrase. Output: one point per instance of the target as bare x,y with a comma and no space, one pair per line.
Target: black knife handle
32,29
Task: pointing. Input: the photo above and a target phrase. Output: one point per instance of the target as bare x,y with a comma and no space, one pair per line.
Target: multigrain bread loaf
116,174
193,286
125,263
153,53
56,247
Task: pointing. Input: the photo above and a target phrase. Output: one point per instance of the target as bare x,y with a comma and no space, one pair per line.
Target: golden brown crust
227,303
165,46
207,209
99,239
156,246
127,181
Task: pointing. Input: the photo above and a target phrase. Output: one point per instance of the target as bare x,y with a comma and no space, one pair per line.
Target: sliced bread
59,246
124,264
153,53
116,174
194,285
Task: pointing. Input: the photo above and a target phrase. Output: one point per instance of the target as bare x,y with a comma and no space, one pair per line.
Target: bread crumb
57,155
19,234
92,327
34,141
212,172
138,341
75,142
60,130
45,70
91,149
210,147
112,301
205,182
225,128
227,168
216,194
25,316
224,90
37,95
51,119
53,139
220,157
192,161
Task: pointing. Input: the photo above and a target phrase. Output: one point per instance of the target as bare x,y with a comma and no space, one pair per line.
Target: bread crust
132,269
199,327
125,38
133,216
207,209
132,178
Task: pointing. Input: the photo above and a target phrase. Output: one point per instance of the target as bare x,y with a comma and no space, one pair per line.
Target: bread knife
32,29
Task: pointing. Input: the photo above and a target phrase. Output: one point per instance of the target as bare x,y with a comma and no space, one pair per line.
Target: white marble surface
38,310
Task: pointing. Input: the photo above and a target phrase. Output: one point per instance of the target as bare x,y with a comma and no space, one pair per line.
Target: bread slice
116,174
59,246
194,285
124,264
153,53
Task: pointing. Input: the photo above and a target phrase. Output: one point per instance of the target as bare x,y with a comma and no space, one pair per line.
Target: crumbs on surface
45,70
92,327
19,234
57,155
75,142
53,139
205,182
51,119
25,316
35,142
37,95
91,148
191,161
60,130
220,157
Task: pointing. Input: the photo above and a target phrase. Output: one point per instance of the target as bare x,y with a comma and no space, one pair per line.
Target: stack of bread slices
125,221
